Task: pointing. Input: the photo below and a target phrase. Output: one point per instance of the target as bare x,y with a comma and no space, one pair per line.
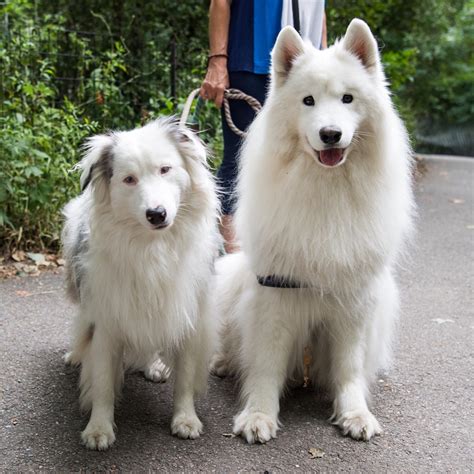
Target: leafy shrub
72,69
36,155
38,143
58,87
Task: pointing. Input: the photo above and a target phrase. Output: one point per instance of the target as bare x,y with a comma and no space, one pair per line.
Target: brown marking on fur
71,288
102,169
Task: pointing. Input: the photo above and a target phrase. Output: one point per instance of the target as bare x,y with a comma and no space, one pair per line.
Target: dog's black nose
156,216
330,135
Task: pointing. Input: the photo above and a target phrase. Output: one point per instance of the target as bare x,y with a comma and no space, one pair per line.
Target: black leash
275,281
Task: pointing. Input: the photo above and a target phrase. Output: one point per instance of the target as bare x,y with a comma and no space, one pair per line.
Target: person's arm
324,35
217,77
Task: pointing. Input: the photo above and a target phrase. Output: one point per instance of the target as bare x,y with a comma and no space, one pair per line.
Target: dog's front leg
100,372
267,343
185,423
351,412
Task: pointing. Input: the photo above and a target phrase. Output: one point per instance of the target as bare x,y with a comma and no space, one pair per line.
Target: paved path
425,406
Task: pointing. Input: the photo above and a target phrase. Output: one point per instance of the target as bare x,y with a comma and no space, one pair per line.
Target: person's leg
242,115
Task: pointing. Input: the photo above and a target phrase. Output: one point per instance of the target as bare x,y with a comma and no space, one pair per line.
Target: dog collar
275,281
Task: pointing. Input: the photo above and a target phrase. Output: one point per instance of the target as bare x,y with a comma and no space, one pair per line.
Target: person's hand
216,80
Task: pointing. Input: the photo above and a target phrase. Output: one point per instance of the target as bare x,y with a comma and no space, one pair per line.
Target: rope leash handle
229,94
187,107
237,94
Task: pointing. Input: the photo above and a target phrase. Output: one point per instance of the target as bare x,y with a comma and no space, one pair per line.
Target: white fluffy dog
139,244
324,207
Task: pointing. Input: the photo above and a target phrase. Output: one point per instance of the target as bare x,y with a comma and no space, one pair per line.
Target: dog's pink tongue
331,157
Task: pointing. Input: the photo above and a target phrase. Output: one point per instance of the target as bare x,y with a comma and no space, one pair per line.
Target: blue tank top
253,29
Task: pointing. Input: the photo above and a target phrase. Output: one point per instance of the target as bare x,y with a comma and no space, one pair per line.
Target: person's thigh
242,115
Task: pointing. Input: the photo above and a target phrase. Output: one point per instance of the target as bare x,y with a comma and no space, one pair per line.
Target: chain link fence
95,70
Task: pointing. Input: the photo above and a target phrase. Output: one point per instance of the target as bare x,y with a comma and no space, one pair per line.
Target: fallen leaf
442,321
38,258
18,256
7,271
30,269
316,453
22,293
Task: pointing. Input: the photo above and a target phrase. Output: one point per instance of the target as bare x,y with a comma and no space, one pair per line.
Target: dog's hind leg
83,334
380,332
223,361
156,370
219,364
153,367
100,375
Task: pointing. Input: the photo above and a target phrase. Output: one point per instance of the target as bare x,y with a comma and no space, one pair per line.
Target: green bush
45,119
38,143
72,69
36,155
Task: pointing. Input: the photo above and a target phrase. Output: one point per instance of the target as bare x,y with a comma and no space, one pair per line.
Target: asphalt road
425,405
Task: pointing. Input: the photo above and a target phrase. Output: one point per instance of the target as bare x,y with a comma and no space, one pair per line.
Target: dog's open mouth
331,156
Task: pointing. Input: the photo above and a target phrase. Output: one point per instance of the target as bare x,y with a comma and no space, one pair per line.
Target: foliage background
70,69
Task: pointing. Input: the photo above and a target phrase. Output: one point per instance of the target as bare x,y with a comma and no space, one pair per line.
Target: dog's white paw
68,358
186,426
219,365
255,427
99,436
358,424
71,359
157,371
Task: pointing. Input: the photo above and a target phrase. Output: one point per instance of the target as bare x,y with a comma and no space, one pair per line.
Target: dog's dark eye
347,98
165,169
308,100
130,180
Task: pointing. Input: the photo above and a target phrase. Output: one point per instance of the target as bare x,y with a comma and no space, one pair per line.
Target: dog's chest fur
319,229
142,292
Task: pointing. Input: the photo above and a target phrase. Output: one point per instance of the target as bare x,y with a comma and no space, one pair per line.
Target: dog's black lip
160,226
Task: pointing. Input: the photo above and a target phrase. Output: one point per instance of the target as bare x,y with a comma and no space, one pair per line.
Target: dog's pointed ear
194,153
288,47
97,162
360,41
189,144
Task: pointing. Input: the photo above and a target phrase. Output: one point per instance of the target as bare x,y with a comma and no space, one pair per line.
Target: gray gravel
425,405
